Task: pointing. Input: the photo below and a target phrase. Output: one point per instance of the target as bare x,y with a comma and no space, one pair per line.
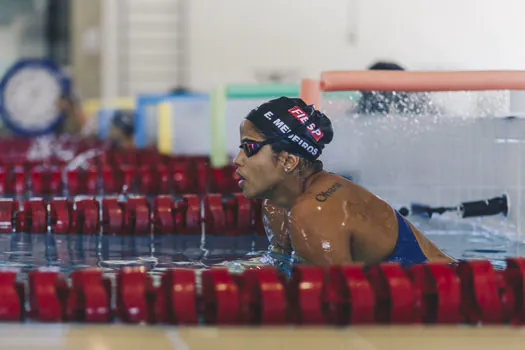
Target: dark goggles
251,147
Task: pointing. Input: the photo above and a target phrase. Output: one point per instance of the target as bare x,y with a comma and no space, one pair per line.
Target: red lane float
395,297
12,297
187,217
47,293
60,213
112,216
305,295
8,210
262,297
134,289
479,292
89,299
440,291
227,215
349,296
176,301
220,297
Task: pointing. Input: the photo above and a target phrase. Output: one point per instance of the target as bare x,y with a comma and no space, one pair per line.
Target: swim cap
301,128
123,119
385,65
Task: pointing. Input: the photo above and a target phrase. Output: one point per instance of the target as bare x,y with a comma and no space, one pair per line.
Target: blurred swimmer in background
122,128
75,118
310,214
393,102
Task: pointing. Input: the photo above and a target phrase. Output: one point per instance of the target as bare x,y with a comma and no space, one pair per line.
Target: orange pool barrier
422,80
311,91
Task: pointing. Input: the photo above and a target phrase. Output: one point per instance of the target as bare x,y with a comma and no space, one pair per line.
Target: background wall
143,46
155,45
217,42
22,30
86,47
233,40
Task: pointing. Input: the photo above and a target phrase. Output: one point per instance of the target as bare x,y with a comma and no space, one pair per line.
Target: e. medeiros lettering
285,129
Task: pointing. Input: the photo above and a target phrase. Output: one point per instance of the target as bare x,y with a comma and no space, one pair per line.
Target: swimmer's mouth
240,179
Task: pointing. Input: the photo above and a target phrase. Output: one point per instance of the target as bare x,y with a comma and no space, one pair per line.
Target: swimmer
122,129
316,216
385,102
75,119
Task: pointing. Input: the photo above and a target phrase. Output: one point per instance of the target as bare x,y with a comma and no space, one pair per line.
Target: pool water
460,239
469,239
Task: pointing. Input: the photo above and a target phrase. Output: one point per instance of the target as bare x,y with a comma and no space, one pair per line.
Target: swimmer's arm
319,239
274,221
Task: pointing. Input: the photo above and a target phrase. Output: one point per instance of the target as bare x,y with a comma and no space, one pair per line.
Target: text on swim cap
312,150
302,117
285,129
281,126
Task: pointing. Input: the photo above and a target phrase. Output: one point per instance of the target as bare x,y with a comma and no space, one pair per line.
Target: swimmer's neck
285,195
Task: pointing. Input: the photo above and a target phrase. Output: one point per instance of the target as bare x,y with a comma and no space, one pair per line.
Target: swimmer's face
261,172
118,137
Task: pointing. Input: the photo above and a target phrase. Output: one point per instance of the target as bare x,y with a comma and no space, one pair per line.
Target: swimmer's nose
238,158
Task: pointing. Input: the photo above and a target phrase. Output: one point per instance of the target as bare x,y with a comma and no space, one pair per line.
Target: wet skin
323,218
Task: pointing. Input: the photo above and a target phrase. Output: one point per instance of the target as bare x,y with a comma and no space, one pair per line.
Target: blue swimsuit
407,251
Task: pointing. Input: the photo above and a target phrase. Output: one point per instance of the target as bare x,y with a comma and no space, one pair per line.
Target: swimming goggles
251,147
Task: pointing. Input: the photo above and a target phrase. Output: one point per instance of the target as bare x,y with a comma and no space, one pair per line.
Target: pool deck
104,337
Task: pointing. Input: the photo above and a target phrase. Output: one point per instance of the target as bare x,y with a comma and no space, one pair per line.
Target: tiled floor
159,338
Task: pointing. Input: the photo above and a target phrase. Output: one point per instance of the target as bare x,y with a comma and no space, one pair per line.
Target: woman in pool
320,217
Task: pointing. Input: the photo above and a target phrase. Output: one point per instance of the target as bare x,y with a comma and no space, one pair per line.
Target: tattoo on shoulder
323,196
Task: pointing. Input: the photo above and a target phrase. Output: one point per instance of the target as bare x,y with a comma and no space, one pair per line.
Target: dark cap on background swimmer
301,128
385,65
124,120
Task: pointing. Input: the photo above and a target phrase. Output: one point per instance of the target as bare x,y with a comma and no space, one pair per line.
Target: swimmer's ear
289,161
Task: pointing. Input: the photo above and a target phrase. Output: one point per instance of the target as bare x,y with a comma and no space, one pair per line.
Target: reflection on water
157,253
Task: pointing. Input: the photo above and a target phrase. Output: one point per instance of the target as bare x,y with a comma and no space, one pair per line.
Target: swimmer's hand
264,259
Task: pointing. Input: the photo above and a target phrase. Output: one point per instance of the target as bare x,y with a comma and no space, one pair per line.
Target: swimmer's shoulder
363,211
328,188
321,213
325,194
333,197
